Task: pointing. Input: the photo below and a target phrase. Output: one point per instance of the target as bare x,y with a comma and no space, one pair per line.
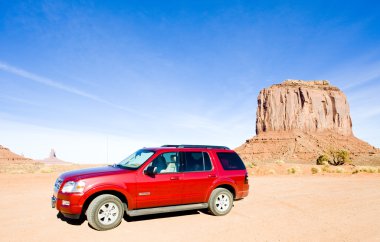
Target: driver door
163,188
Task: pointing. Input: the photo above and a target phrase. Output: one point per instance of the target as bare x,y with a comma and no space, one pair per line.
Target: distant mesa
298,120
53,160
8,156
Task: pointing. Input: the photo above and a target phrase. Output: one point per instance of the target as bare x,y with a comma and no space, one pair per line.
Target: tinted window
166,163
230,161
196,161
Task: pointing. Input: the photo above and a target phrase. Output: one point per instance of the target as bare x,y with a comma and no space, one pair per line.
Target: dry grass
366,169
294,170
315,170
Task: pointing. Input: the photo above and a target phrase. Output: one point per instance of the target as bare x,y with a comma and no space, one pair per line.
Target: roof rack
198,146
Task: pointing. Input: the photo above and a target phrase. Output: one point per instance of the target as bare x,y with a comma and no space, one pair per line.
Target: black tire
105,204
220,202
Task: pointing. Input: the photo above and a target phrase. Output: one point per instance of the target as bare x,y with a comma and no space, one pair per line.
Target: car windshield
135,160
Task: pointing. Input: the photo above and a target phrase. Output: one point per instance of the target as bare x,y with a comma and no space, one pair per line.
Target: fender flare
217,183
108,187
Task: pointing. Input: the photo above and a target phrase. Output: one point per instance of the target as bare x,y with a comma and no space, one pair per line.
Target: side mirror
151,171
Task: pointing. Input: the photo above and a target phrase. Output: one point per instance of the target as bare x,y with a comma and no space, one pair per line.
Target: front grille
58,184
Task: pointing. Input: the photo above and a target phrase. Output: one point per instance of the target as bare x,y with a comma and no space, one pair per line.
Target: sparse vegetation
366,169
294,170
315,170
323,160
339,157
339,170
335,158
326,168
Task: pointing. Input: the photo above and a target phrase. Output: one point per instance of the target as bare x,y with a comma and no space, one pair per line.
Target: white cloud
54,84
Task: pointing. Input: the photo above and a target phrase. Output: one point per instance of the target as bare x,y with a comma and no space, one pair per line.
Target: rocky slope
296,121
7,155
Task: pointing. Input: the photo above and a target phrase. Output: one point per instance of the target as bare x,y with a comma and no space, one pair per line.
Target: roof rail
198,146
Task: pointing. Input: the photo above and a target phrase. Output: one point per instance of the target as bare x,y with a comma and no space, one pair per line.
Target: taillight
246,178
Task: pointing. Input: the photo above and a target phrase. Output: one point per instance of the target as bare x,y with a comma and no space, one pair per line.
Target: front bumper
68,204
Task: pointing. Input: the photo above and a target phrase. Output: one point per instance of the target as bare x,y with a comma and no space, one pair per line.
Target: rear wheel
220,202
105,212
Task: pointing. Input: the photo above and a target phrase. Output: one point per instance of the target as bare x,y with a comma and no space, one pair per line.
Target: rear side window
230,161
196,161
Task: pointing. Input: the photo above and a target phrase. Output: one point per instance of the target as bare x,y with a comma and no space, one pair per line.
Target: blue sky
97,79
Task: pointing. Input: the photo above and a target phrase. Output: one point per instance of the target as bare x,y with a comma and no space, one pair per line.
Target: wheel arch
226,184
229,188
123,198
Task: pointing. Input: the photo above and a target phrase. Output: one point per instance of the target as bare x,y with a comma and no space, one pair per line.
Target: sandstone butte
296,121
7,155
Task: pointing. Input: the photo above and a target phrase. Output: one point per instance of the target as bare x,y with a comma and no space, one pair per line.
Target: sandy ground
282,208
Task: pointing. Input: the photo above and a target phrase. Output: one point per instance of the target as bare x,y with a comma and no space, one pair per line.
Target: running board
146,211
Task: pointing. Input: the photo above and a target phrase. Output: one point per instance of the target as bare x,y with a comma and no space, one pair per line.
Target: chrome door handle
212,176
174,178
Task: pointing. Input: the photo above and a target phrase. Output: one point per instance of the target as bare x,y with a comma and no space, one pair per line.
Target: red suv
153,180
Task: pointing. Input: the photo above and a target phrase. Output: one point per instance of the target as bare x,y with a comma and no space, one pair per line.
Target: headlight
72,186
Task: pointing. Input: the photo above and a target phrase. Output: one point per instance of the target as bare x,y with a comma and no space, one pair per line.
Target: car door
164,188
198,176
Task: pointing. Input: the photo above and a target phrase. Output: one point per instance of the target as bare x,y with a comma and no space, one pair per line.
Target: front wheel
220,202
105,212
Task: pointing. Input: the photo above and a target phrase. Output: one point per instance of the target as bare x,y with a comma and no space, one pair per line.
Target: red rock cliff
297,121
313,106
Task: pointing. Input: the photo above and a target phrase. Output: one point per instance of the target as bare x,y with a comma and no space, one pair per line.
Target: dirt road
282,208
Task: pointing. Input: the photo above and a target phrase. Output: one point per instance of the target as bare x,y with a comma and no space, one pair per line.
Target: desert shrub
378,170
291,170
339,157
335,158
315,170
323,160
355,171
326,168
294,170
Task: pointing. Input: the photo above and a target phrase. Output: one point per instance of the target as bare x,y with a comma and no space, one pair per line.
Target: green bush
335,158
339,157
323,160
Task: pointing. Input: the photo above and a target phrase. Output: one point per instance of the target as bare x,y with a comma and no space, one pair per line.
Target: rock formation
306,106
53,160
297,121
6,155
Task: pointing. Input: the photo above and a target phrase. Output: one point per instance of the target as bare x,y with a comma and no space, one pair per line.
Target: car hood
93,172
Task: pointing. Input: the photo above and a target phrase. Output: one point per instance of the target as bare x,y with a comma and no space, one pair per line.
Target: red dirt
283,208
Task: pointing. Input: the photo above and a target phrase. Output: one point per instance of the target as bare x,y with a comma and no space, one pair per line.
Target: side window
166,163
196,161
230,161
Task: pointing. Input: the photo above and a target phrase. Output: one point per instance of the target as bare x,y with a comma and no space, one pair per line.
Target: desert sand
279,208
